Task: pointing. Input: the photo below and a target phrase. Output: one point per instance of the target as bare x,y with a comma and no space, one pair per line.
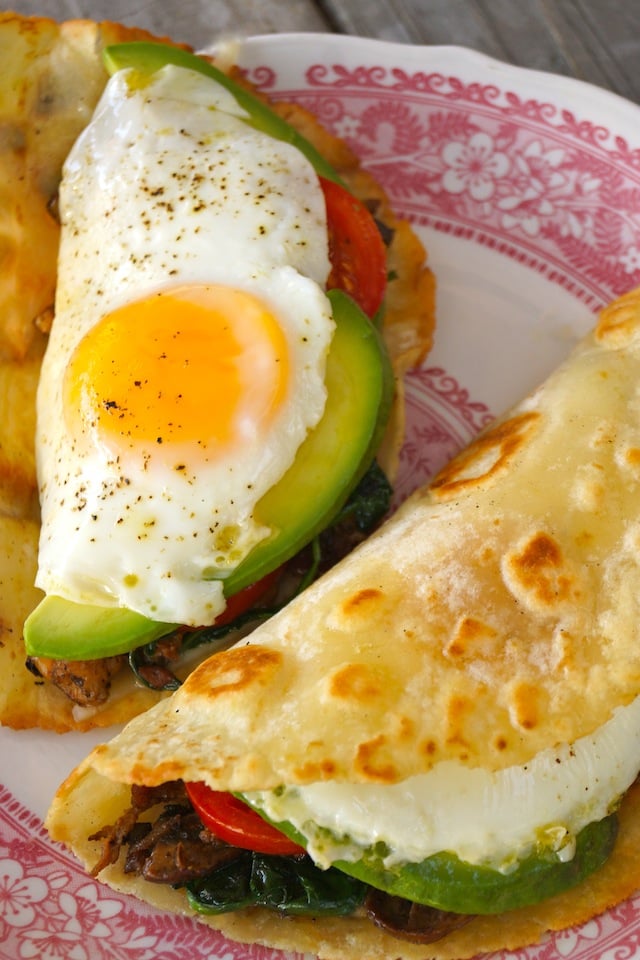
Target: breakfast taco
438,742
217,274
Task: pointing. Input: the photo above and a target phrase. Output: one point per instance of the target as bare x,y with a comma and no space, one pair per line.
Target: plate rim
454,54
441,54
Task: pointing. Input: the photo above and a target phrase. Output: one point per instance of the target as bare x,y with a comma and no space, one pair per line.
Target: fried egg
484,817
186,363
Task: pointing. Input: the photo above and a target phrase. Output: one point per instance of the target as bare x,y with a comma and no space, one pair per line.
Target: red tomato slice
238,602
356,249
236,823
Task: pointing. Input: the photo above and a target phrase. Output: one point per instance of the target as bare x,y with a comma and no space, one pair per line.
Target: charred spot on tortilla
526,703
233,671
536,572
459,711
357,682
363,603
486,458
619,322
631,458
471,637
318,770
374,761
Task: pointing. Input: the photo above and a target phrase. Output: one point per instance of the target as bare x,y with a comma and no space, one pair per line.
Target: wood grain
593,40
590,39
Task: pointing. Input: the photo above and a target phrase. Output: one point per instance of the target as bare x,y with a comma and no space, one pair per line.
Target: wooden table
595,40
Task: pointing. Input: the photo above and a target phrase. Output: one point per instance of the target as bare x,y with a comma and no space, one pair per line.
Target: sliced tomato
356,249
236,823
238,602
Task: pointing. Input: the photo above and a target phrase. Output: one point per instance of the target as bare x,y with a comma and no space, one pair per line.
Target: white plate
526,189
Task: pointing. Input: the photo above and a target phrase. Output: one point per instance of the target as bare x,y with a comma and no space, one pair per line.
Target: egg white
169,186
492,818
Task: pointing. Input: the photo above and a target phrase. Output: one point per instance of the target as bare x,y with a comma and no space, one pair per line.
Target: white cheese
484,817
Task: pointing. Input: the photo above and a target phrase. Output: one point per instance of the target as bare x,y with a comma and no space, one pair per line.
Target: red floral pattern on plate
529,180
50,909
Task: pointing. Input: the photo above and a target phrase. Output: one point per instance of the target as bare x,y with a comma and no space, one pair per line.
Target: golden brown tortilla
52,77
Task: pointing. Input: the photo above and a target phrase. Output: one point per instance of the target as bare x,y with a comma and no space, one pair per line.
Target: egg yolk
205,365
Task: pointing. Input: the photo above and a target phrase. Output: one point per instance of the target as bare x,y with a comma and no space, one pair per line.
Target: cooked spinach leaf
370,500
291,885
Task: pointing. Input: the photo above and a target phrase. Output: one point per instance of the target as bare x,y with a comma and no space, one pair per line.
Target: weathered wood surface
595,40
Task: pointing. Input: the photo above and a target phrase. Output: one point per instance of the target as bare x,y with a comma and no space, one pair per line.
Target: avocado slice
146,58
328,465
446,882
62,629
335,454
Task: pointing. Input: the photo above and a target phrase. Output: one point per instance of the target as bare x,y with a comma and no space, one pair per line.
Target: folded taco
221,282
438,741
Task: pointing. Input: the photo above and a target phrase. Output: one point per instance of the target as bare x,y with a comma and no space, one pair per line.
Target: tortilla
492,617
51,81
